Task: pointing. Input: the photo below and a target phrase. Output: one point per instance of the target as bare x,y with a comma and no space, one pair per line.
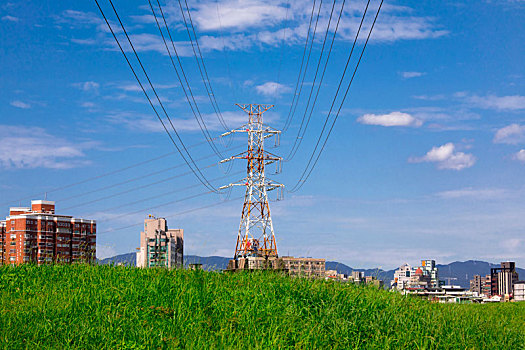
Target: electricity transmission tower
256,237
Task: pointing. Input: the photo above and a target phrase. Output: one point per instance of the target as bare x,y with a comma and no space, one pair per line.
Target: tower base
253,263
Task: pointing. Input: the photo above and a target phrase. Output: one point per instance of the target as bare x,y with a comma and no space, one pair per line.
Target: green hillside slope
122,307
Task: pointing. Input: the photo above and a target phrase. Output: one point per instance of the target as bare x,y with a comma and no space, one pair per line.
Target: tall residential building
422,277
503,278
475,284
430,271
402,276
38,235
480,285
160,246
358,276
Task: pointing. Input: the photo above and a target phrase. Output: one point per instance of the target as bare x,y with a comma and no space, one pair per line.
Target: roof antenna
45,196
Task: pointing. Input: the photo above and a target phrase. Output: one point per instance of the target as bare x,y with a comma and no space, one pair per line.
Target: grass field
120,307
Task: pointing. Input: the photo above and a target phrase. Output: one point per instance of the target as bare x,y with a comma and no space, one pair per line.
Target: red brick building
39,236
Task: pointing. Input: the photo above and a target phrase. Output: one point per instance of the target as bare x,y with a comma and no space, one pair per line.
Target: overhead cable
200,64
295,94
195,171
301,132
173,215
307,172
96,177
180,189
194,107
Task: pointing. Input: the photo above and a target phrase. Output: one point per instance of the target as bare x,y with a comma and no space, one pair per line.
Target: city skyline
426,160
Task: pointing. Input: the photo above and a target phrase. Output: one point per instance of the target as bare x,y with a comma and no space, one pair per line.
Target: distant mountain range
460,272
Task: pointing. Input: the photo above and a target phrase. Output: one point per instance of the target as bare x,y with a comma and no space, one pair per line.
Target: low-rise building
306,267
160,246
519,291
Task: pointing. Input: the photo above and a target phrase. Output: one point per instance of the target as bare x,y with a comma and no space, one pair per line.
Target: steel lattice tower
256,235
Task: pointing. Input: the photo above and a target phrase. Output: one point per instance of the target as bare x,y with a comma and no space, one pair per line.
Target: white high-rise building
159,246
402,276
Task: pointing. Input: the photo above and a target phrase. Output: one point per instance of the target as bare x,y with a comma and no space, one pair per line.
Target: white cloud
87,86
513,102
33,147
87,104
134,87
147,123
238,14
243,24
84,41
511,134
484,193
391,119
520,155
272,89
10,18
20,104
408,75
105,251
446,158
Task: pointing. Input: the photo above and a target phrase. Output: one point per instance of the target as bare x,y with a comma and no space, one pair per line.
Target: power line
290,116
209,89
133,189
156,206
200,122
56,189
283,41
113,172
224,48
173,215
300,182
301,131
199,176
158,196
134,179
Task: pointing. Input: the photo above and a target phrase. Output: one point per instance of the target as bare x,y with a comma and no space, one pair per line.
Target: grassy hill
121,307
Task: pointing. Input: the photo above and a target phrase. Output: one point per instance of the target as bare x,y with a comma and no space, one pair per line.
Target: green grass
119,307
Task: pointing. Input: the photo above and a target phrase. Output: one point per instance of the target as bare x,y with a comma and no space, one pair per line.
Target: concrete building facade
306,267
480,285
503,278
422,277
402,276
38,235
519,291
160,246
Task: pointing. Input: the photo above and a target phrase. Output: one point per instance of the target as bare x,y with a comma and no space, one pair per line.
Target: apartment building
503,278
38,235
480,285
160,246
402,277
308,267
305,267
519,291
422,277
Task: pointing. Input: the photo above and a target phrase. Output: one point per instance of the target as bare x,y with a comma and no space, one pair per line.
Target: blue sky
426,160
